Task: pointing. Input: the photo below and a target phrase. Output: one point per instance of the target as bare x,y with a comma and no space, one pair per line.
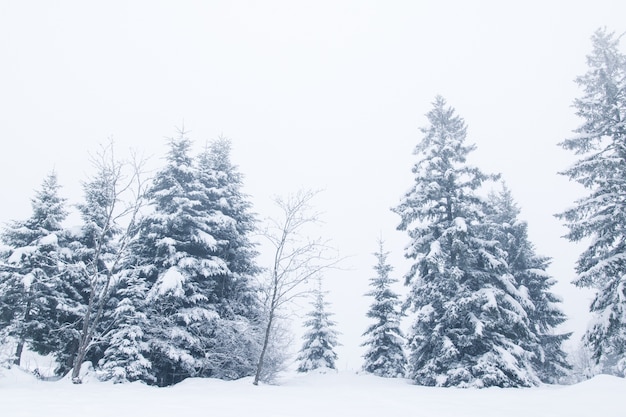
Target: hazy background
317,94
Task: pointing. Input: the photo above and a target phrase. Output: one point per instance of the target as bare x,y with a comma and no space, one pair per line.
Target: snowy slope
342,394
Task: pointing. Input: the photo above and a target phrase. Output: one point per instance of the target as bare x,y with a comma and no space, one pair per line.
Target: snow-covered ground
315,395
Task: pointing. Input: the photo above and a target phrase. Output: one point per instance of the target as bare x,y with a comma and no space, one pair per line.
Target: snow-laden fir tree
469,323
385,341
320,339
232,224
175,254
534,283
126,356
193,257
31,275
600,216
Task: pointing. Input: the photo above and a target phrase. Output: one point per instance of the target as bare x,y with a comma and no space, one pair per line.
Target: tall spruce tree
601,215
529,270
175,253
194,254
31,275
126,357
232,224
320,340
385,341
469,321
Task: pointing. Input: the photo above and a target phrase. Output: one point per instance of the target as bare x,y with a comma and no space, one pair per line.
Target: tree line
155,284
160,281
484,312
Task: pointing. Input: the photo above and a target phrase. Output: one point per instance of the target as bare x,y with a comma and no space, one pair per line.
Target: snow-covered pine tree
601,215
468,318
232,223
126,356
534,283
385,341
175,254
180,259
7,312
320,339
31,274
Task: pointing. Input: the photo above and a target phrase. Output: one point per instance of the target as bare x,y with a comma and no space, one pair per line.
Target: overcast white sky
316,94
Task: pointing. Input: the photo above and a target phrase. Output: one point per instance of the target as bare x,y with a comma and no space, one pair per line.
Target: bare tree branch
119,179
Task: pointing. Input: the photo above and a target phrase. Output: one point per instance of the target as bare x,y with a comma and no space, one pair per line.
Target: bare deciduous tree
296,259
122,189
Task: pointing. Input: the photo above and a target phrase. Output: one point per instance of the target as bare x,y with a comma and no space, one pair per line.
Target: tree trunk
266,339
18,352
270,319
89,324
20,344
80,357
83,343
